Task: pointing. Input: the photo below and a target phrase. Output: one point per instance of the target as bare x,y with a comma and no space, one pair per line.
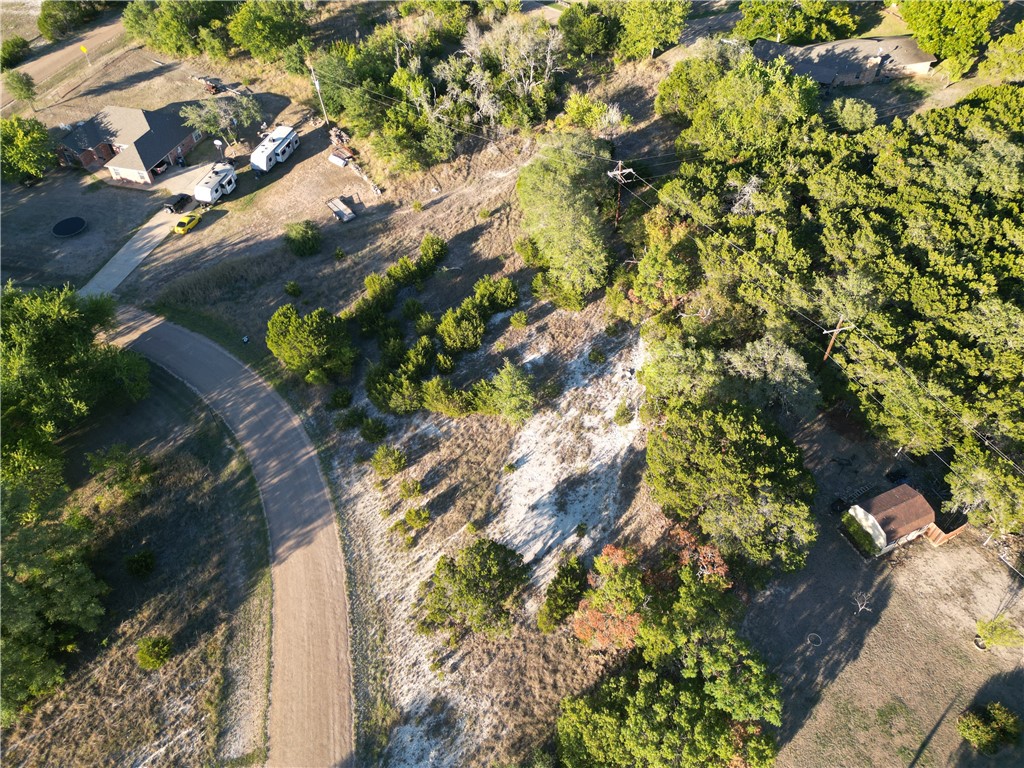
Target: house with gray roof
851,62
135,145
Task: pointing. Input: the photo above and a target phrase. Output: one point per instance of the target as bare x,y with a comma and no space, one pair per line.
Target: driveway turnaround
149,236
311,671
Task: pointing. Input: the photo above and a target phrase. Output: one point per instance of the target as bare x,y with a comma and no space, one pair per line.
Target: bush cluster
988,728
462,328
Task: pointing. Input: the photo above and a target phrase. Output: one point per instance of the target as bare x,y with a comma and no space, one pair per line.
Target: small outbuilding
895,517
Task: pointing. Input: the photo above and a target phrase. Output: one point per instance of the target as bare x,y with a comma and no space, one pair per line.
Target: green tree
659,720
388,461
648,26
177,27
853,115
13,51
474,591
560,191
742,482
54,373
987,729
59,18
608,616
799,22
954,30
987,488
266,28
1005,57
315,346
563,594
509,395
586,32
25,148
49,596
21,86
223,115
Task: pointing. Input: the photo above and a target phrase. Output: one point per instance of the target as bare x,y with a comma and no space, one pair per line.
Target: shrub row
461,328
381,287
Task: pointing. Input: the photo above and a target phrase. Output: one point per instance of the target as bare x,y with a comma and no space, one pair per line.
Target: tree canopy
799,22
315,346
475,591
266,28
25,148
953,30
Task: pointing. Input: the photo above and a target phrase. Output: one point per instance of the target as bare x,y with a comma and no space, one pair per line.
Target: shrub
485,213
388,461
409,489
563,594
424,324
432,250
1000,632
987,729
495,294
340,398
411,309
444,363
373,430
314,346
141,564
303,237
581,530
473,591
596,356
509,395
508,469
461,328
439,396
417,206
292,289
350,419
153,651
339,254
417,518
530,253
13,51
518,320
623,414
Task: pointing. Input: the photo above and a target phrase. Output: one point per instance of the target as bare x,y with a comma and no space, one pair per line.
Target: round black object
69,227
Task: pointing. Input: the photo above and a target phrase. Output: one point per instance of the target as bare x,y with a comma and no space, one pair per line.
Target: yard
883,685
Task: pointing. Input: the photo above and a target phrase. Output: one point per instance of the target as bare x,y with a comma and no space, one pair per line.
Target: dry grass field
209,591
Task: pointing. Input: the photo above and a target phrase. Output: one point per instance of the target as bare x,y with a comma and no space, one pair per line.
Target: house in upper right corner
851,62
895,517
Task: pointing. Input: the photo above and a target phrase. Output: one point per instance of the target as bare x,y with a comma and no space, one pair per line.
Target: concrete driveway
311,670
150,234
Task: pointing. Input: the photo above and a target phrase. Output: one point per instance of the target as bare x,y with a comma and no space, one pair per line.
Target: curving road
311,677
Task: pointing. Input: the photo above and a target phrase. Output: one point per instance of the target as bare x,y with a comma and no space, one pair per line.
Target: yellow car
187,223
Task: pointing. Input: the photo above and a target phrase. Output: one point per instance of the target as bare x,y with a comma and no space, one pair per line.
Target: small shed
894,517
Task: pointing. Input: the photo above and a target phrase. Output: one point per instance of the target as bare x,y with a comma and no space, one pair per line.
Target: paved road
149,236
311,678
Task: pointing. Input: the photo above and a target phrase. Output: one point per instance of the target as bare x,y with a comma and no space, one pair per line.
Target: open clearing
209,591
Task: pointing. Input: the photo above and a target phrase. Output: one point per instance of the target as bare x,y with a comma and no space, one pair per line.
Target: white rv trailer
274,149
221,180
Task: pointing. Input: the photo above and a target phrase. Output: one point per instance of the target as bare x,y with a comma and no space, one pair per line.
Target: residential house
135,145
851,62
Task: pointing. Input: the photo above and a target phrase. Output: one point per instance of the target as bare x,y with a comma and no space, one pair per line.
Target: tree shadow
807,624
1008,689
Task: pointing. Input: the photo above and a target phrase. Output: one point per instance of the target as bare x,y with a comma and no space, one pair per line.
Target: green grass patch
860,538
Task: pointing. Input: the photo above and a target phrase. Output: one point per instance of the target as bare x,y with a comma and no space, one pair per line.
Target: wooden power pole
833,333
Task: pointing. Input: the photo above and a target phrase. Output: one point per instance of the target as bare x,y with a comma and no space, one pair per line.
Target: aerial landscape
512,383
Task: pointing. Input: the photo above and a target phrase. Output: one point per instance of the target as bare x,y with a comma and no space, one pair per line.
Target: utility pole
618,174
835,332
316,84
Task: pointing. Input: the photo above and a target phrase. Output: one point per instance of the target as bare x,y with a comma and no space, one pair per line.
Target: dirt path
311,677
46,66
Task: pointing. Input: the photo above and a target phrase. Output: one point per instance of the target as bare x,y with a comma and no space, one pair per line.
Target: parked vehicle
178,204
274,149
220,181
187,223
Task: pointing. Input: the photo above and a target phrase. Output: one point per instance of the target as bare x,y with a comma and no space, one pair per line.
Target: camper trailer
220,181
274,149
